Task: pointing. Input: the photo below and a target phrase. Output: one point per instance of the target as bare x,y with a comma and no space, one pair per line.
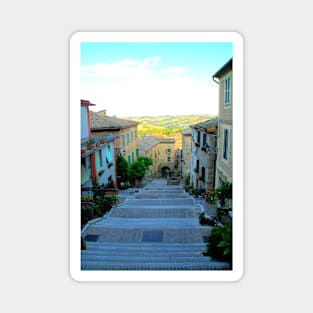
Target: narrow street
154,228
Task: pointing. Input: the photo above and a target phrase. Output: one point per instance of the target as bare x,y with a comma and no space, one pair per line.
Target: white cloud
173,70
122,69
153,96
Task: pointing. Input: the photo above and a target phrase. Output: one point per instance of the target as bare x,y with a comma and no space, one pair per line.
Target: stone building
148,146
167,157
224,78
97,155
203,155
124,130
186,151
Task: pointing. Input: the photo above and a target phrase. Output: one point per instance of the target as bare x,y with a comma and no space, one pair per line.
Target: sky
152,79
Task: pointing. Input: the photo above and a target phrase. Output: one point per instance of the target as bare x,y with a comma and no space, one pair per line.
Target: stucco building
224,160
167,157
97,155
186,151
148,146
203,154
125,131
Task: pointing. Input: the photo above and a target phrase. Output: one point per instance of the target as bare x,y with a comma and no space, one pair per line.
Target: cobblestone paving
154,228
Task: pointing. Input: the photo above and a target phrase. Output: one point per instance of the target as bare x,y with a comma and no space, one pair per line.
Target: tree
122,170
146,161
138,169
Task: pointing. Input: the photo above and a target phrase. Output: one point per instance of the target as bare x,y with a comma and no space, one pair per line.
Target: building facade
125,132
186,151
167,157
203,155
224,160
148,146
97,155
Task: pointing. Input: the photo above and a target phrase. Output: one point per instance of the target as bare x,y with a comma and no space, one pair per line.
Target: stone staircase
148,256
157,229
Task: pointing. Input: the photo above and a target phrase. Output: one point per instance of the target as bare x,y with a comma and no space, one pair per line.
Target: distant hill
167,125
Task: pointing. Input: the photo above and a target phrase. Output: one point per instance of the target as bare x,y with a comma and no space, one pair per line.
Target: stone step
161,196
157,223
145,253
138,265
161,202
85,257
146,246
152,206
126,212
163,190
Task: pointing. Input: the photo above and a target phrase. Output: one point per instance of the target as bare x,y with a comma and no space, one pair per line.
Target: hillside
167,125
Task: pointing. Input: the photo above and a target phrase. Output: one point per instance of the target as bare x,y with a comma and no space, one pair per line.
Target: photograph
156,166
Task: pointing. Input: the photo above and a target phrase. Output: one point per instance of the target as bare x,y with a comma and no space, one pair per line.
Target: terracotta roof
166,139
99,122
145,143
85,102
186,132
224,69
206,124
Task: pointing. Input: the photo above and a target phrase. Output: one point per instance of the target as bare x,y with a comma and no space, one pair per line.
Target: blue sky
133,79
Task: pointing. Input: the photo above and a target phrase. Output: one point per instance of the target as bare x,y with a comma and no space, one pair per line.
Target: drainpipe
216,81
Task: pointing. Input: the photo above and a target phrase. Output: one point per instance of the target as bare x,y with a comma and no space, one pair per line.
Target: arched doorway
165,171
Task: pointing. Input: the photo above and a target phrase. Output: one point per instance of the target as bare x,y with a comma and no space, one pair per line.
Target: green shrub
219,244
206,221
122,170
223,193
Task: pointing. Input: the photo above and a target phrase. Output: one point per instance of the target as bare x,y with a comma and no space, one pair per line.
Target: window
133,157
99,163
197,166
168,150
100,155
169,159
123,140
204,140
225,145
109,157
198,137
127,136
227,91
137,153
203,173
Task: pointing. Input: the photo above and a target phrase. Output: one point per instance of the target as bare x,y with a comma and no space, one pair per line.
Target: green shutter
98,161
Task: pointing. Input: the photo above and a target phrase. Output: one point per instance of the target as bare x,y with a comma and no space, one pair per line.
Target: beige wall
206,160
224,167
152,153
186,147
129,146
163,148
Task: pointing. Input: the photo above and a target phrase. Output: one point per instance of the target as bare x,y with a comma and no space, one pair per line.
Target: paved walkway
153,228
